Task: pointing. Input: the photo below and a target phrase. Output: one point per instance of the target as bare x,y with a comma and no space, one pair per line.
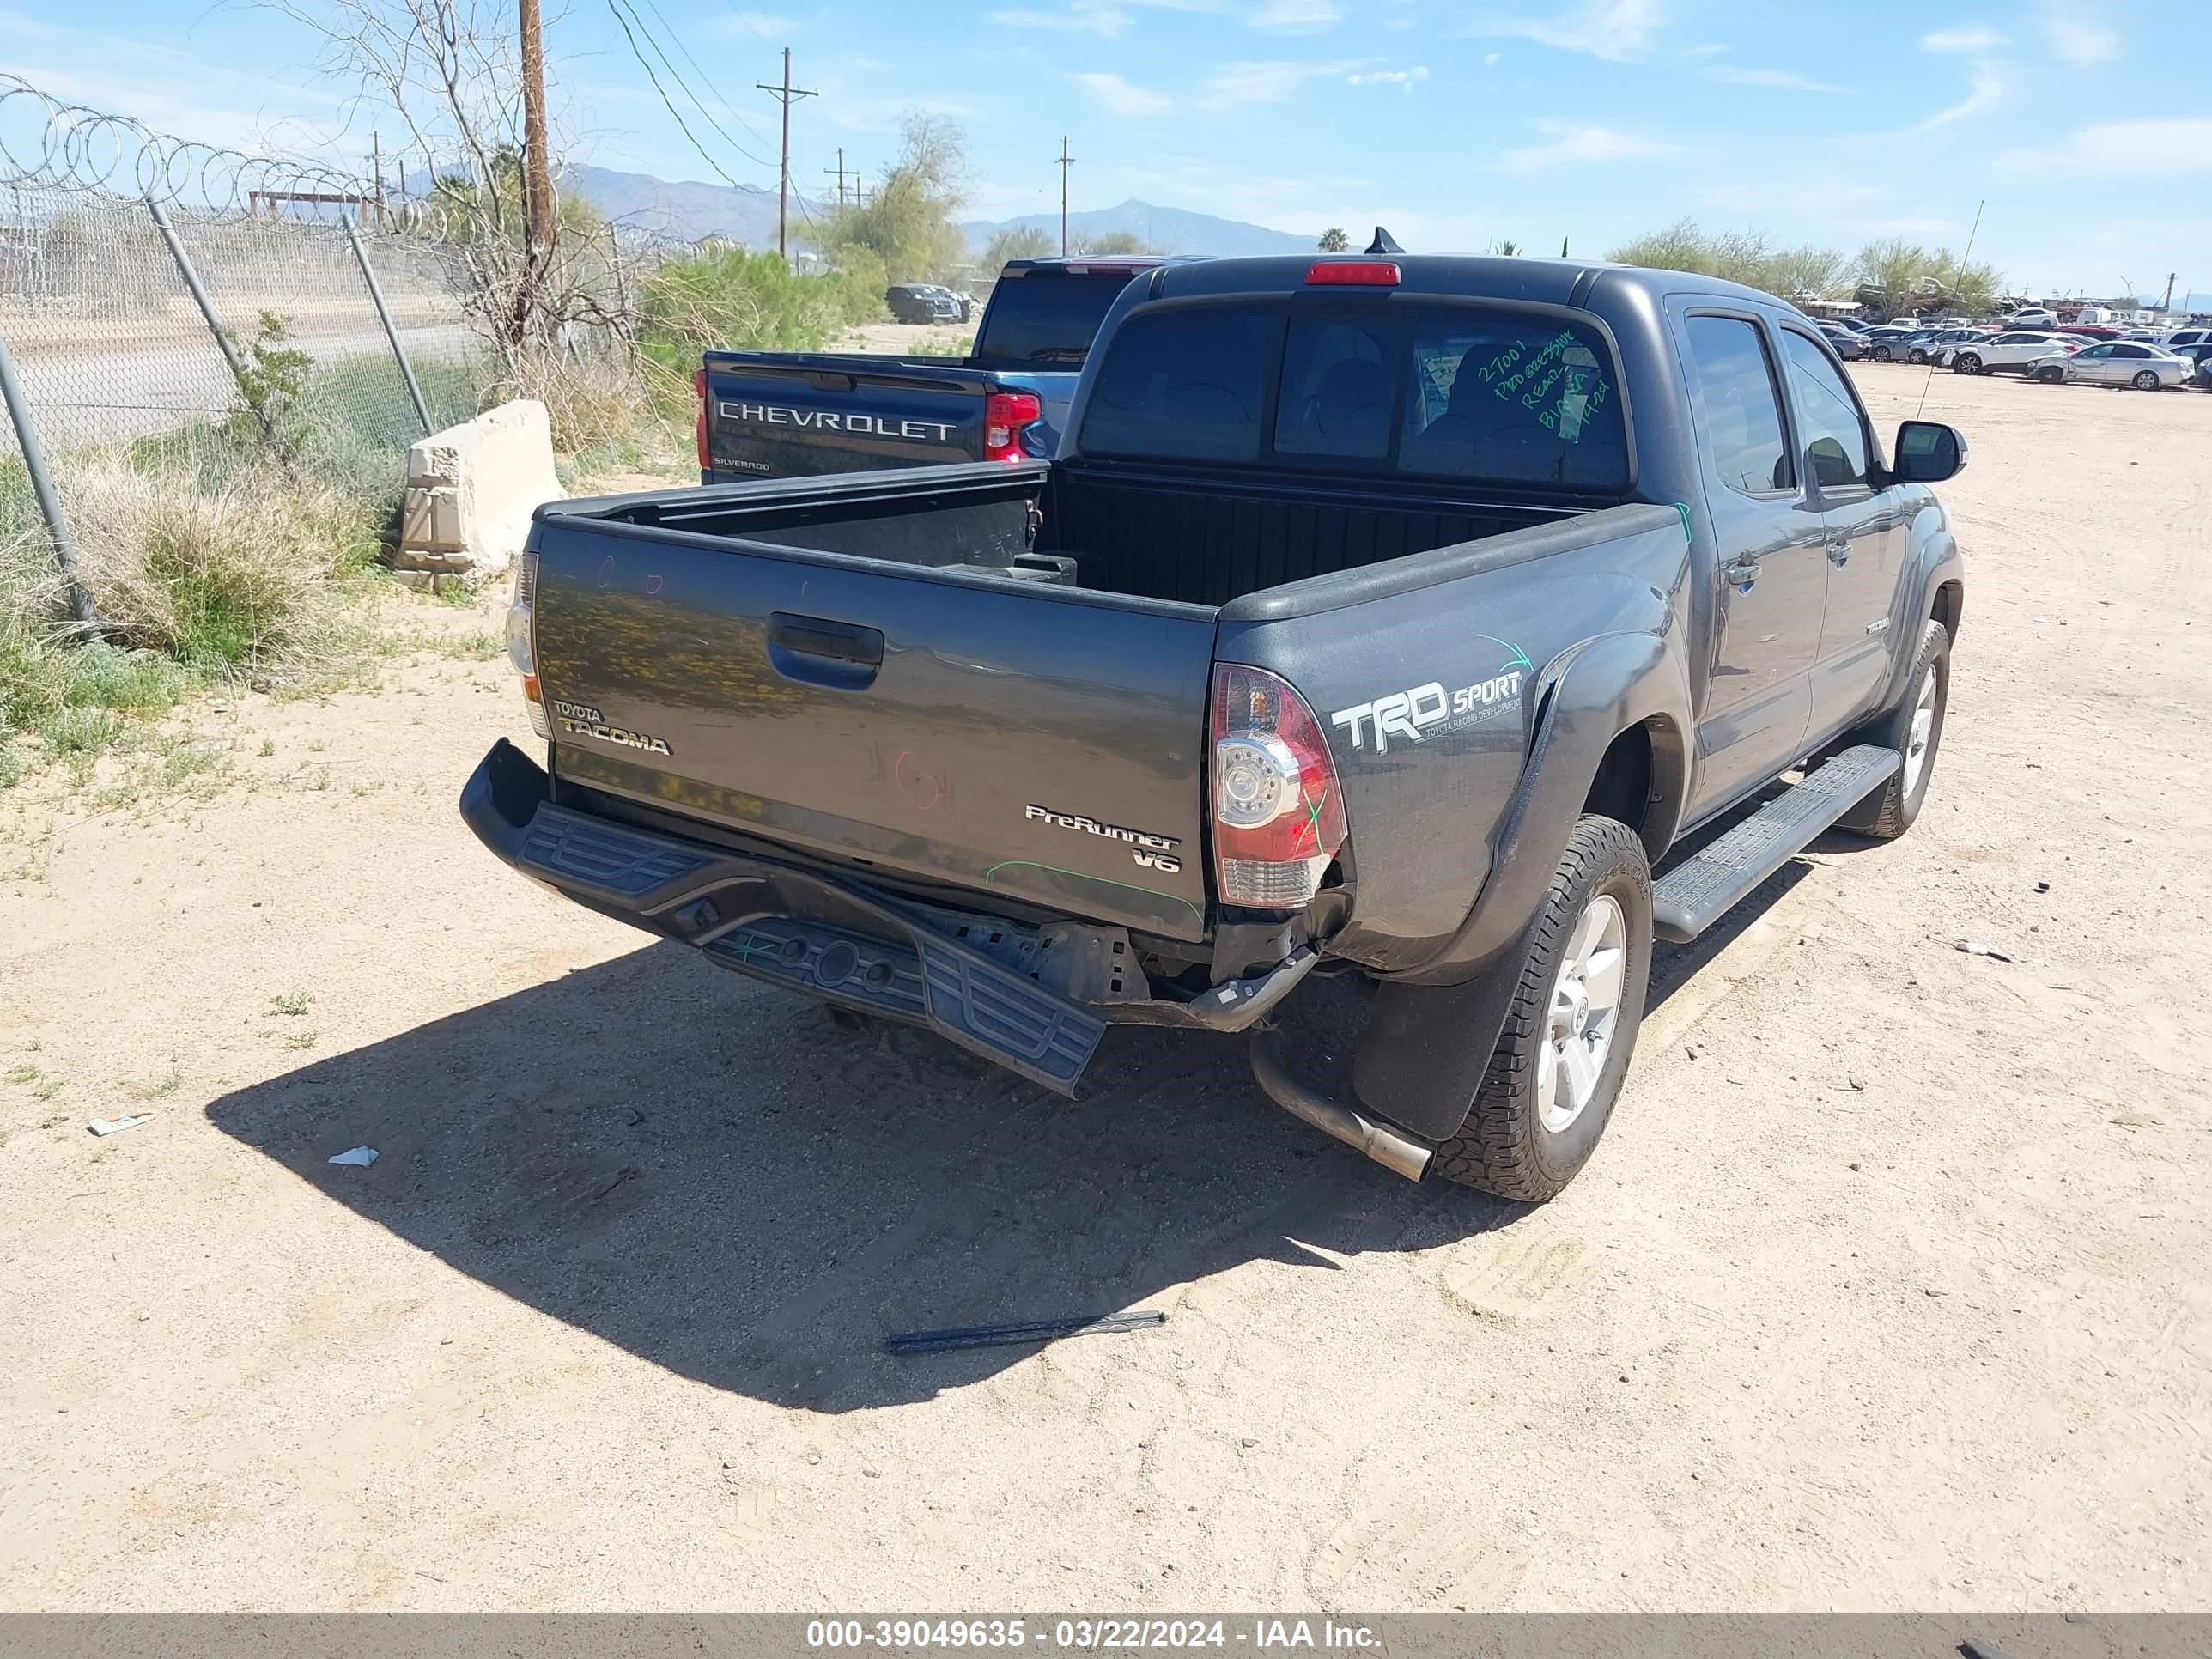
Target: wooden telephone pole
1066,162
839,171
784,94
538,229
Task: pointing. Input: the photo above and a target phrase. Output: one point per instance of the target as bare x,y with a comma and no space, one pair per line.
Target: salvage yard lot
1885,1288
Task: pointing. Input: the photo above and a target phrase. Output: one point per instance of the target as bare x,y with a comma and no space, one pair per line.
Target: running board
1700,890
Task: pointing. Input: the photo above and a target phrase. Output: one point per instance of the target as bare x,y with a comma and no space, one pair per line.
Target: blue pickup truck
783,414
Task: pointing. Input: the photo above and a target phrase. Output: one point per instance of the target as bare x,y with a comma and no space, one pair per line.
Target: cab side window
1835,445
1739,405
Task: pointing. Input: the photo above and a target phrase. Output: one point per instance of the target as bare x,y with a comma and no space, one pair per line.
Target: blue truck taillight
699,426
1278,813
1004,415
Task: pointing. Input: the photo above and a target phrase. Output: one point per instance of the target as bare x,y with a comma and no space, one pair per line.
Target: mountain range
688,210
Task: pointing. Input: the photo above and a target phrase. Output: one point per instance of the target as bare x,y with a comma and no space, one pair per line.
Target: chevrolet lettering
826,420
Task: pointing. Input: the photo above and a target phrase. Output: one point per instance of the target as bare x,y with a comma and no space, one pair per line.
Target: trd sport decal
1426,710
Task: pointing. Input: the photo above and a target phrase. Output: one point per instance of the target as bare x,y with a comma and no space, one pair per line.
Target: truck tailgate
787,415
1038,742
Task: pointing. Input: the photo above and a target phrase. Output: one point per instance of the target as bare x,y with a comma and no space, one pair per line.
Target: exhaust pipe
1393,1149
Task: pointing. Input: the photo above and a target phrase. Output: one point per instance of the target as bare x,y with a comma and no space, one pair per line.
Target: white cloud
1705,51
1779,79
1489,59
1296,16
1575,142
2078,41
1966,39
767,25
1615,29
1122,98
1986,91
1404,80
1238,84
2154,149
1085,17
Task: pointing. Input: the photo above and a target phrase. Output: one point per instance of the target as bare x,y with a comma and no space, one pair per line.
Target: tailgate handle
822,652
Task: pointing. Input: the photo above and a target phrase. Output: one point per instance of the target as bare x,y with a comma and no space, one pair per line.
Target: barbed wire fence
165,303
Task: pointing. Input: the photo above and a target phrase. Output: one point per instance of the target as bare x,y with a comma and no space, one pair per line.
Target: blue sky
2086,127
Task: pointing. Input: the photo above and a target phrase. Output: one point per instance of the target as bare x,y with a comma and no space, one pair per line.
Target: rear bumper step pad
1698,891
837,940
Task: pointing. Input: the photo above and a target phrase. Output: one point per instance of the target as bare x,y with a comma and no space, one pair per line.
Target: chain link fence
163,305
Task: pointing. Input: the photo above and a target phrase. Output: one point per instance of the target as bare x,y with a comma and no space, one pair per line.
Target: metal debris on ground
360,1157
1974,947
116,1126
1035,1330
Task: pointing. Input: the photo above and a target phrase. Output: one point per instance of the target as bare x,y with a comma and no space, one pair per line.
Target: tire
1512,1144
1890,810
2145,381
1882,354
1916,356
1967,362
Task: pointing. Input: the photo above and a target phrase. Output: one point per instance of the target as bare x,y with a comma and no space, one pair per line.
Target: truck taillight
1277,814
1004,415
699,426
522,640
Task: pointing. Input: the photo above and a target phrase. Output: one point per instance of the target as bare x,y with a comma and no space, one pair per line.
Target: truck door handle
816,649
1742,574
1839,552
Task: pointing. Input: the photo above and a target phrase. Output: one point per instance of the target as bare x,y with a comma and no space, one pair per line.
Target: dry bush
591,399
241,573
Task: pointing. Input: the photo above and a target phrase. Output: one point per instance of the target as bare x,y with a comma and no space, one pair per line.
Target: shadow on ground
719,1179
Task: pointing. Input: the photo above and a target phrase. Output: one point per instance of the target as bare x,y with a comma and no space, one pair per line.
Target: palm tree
1334,240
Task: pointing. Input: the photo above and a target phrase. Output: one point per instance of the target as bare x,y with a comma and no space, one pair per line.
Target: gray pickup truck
1391,617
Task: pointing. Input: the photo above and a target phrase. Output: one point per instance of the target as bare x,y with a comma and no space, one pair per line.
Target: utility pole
839,171
2167,304
538,225
376,168
784,94
1066,162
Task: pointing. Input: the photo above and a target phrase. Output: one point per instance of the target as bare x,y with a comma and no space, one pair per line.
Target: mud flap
1426,1048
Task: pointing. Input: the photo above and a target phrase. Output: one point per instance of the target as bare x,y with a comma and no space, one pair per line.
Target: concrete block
471,490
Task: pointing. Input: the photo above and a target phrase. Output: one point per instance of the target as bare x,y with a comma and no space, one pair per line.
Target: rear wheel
1883,355
1914,727
1557,1069
2051,376
2145,381
1967,362
1916,355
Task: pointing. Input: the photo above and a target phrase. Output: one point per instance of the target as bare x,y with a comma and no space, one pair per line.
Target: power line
644,63
734,113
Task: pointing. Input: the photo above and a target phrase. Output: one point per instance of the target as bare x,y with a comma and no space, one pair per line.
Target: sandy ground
1886,1289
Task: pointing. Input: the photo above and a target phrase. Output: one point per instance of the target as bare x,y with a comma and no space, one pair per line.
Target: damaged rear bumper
981,980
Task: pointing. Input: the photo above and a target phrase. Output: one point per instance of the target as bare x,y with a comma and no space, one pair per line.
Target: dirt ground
1886,1290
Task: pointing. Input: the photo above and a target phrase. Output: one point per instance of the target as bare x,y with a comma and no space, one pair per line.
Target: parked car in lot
2115,362
2184,336
1921,348
919,302
1849,346
2033,317
1886,344
1389,617
2013,349
963,303
2200,355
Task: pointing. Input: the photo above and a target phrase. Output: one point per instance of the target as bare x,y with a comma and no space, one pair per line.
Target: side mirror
1927,451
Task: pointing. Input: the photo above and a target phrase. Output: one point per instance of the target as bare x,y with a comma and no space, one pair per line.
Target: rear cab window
1046,318
1485,393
